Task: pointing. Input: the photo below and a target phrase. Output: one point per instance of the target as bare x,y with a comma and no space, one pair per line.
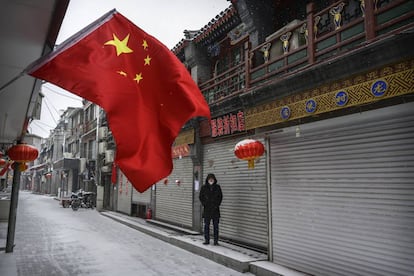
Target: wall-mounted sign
341,98
379,88
180,151
227,124
285,112
310,106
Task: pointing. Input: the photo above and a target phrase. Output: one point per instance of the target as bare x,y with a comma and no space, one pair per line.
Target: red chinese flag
146,92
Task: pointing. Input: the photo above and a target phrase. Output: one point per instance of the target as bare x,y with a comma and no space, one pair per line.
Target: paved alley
51,240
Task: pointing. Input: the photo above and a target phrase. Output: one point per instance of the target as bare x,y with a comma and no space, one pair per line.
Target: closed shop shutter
174,202
124,192
343,194
141,198
244,207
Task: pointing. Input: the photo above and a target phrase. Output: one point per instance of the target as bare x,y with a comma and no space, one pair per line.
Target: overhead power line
48,108
43,123
36,123
61,94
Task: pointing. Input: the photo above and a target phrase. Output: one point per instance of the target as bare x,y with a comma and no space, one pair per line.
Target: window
91,149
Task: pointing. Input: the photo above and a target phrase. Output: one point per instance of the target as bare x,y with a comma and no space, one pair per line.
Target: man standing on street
211,197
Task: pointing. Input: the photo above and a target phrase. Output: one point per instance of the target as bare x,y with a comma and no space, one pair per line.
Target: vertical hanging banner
114,175
145,90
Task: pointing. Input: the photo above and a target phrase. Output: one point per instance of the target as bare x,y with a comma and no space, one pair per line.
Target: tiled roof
180,46
215,24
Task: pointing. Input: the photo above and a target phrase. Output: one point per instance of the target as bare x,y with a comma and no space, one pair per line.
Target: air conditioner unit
102,147
109,156
106,169
103,132
67,155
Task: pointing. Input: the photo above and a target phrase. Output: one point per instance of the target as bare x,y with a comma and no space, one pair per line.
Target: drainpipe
269,203
97,163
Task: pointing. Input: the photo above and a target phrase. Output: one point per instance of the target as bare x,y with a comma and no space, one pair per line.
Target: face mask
211,181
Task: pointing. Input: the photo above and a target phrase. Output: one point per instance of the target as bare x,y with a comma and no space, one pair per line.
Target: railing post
310,21
369,20
247,62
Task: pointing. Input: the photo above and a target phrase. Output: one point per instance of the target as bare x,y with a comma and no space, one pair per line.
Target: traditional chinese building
328,87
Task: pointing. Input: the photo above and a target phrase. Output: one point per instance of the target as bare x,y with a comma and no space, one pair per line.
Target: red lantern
249,150
22,153
4,170
2,163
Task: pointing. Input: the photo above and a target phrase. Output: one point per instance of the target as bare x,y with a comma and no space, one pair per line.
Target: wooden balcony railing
225,84
330,32
88,126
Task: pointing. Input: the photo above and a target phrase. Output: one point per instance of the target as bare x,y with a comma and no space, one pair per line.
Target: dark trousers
207,228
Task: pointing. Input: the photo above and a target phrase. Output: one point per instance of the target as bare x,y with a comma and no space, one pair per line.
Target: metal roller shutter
244,206
174,203
143,198
343,194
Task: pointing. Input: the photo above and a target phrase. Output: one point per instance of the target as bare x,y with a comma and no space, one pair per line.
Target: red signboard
227,124
180,151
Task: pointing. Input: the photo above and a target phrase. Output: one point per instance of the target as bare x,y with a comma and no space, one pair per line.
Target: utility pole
13,208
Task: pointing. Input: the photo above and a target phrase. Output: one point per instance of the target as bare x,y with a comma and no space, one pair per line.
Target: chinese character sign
227,124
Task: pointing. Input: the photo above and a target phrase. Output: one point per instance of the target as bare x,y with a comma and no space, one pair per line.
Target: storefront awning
66,164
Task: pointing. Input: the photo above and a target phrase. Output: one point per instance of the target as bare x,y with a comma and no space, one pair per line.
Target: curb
222,255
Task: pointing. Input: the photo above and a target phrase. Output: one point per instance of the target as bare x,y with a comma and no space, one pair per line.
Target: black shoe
206,242
216,243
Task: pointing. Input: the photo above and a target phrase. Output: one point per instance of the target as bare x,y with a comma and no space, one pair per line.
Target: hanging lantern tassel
249,150
21,167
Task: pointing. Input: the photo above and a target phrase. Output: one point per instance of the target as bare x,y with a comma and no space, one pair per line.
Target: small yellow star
120,45
147,60
122,73
138,77
144,44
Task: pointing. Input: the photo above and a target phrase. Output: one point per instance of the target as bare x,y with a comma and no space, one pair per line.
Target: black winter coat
211,197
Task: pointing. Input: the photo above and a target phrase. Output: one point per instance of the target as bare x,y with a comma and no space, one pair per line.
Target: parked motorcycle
82,199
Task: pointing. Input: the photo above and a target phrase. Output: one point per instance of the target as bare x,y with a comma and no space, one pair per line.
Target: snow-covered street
51,240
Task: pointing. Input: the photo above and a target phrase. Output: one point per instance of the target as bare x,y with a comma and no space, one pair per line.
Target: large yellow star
138,77
120,45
